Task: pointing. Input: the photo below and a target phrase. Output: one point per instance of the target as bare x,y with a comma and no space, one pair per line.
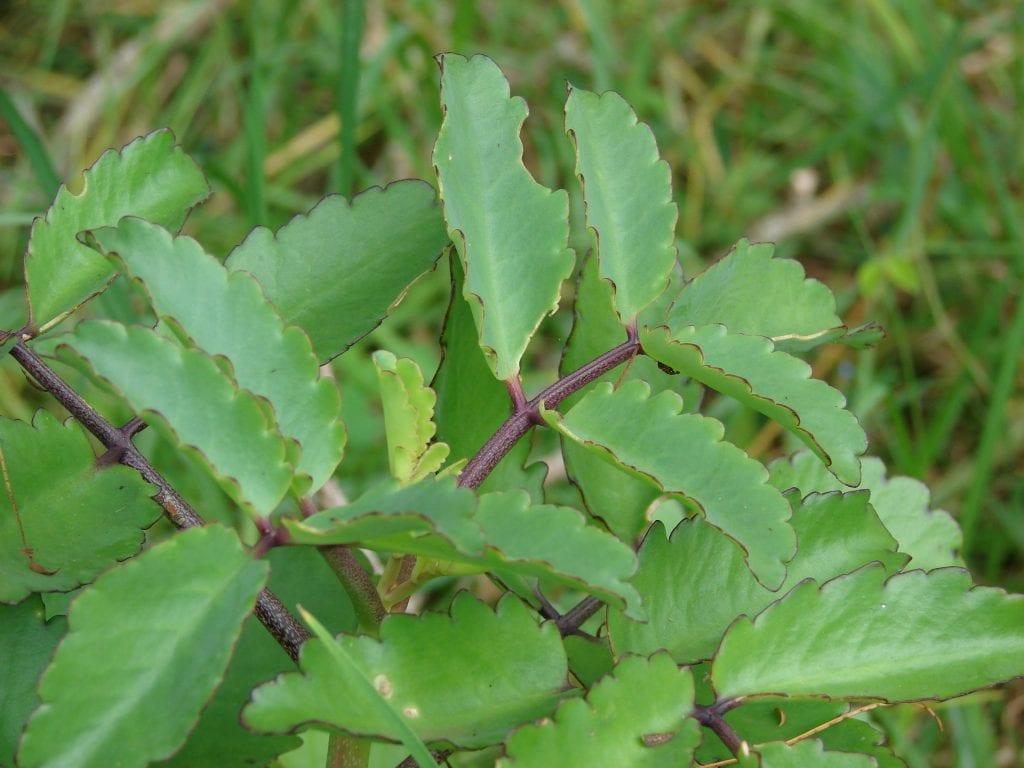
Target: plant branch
284,627
525,416
569,623
713,717
366,602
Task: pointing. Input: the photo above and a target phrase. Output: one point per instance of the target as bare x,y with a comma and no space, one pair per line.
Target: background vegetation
881,142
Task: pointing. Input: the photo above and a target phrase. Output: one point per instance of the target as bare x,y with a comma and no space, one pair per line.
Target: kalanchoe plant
697,607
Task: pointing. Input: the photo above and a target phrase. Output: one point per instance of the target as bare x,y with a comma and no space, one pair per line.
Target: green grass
880,142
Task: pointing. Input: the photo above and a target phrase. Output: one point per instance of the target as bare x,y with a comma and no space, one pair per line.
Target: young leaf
916,636
196,401
931,537
471,403
838,533
178,610
592,560
779,754
151,178
408,419
62,520
684,454
695,583
628,194
638,716
336,271
28,642
774,383
225,313
511,233
437,672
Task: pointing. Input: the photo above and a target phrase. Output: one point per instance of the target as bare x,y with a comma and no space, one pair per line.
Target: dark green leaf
62,520
337,271
806,753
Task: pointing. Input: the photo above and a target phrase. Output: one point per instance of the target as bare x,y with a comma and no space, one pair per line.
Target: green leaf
618,499
437,671
151,178
561,544
472,404
684,454
225,313
408,419
636,717
347,671
838,533
62,520
337,271
932,538
198,405
432,517
812,752
916,636
27,643
510,232
177,610
774,383
628,194
695,583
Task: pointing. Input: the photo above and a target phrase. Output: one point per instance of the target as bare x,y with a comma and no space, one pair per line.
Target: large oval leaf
511,232
178,610
916,636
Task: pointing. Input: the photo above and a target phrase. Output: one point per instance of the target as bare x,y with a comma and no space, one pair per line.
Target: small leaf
436,671
750,292
749,369
183,602
472,404
932,538
151,178
62,520
695,583
28,642
636,717
336,271
838,533
562,544
915,636
197,403
628,194
408,419
225,313
684,454
812,752
511,232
